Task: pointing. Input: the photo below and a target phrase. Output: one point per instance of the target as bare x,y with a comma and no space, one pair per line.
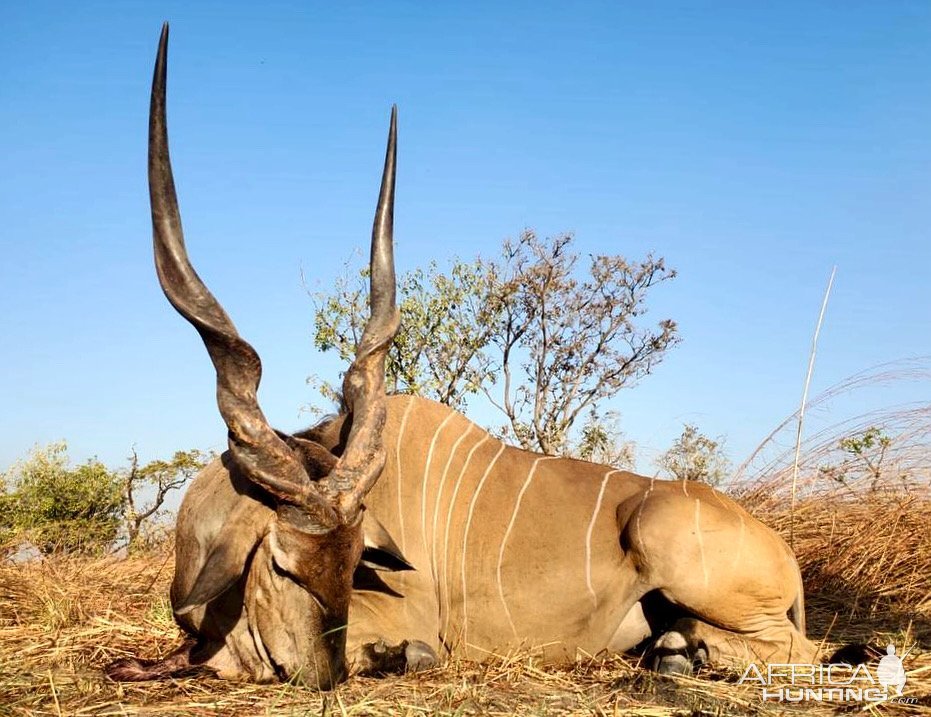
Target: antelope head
300,570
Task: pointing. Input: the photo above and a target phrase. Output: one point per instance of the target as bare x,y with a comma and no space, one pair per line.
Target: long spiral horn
364,384
256,448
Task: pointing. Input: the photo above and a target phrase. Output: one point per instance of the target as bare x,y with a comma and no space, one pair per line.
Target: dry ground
867,565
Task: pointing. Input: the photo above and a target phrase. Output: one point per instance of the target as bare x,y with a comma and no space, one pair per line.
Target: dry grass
867,565
866,557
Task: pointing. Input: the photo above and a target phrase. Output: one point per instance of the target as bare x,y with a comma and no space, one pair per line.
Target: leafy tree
865,455
695,456
59,507
601,441
446,324
541,344
86,508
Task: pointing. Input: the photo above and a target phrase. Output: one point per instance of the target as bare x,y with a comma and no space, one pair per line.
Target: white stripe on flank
426,473
449,518
439,496
465,541
701,543
683,488
398,476
507,533
588,537
643,502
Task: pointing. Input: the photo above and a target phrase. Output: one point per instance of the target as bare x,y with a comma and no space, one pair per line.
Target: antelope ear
222,568
226,560
379,551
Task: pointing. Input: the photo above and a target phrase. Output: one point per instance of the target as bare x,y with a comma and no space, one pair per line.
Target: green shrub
59,507
695,456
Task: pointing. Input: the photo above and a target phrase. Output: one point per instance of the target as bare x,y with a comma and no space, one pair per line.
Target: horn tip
161,59
163,43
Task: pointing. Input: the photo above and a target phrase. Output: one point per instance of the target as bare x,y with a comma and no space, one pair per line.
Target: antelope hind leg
692,642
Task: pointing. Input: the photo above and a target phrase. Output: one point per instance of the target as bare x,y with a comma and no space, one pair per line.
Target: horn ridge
258,451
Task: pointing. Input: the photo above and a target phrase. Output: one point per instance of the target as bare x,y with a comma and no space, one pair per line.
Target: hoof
379,658
675,664
420,656
671,655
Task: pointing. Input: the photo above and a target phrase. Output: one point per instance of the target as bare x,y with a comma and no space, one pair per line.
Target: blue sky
754,145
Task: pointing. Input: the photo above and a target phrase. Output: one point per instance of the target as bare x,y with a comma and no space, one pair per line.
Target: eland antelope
401,533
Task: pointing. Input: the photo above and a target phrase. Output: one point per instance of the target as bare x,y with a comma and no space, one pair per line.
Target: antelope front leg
393,628
378,658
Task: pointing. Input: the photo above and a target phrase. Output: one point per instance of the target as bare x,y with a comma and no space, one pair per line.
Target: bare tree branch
541,342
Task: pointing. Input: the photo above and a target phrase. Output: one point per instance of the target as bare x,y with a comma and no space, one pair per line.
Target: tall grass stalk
801,410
